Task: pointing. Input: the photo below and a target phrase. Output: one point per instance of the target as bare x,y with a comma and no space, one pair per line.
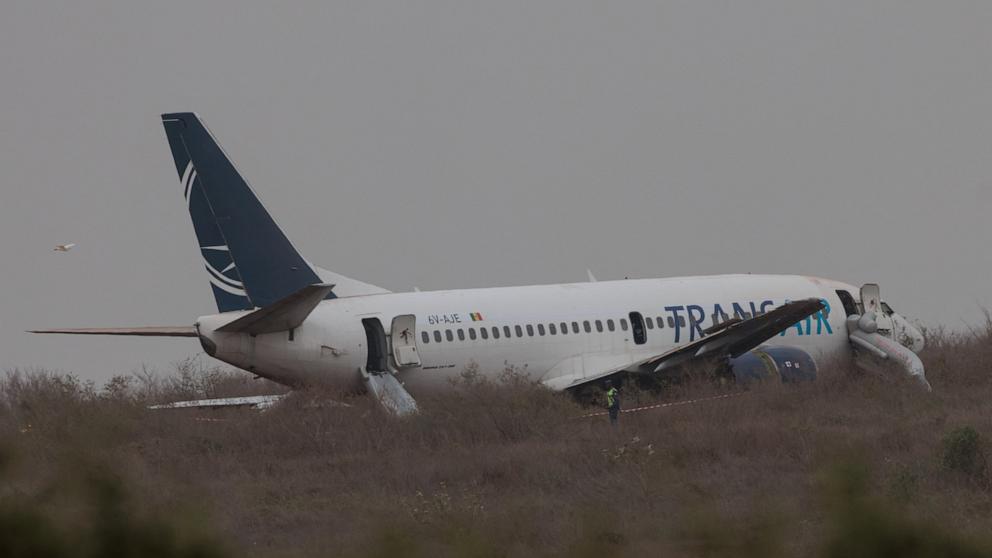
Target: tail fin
249,261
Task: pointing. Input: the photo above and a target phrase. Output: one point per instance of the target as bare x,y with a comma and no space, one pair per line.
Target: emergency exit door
871,301
404,340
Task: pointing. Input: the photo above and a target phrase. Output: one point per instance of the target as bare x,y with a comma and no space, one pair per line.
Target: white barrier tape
663,405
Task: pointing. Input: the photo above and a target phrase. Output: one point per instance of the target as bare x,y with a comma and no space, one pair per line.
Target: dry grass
852,464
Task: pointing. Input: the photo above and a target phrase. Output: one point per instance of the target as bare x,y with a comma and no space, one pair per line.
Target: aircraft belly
441,367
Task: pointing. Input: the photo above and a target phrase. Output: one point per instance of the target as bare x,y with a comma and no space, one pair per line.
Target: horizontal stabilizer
182,331
281,315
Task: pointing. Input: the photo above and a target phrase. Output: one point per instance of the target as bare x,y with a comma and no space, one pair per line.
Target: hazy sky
462,144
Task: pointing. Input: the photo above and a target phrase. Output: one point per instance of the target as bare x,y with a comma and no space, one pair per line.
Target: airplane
282,318
64,247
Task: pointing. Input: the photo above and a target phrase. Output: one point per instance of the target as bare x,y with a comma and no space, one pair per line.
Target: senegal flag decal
476,317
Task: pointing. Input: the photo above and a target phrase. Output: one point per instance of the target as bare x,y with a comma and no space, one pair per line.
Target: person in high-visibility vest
612,401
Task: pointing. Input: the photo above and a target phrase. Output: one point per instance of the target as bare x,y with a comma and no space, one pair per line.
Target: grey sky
458,144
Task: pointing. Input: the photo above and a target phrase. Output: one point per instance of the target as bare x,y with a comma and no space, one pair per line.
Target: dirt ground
854,464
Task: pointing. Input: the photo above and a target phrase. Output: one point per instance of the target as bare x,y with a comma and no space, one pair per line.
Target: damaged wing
727,340
736,337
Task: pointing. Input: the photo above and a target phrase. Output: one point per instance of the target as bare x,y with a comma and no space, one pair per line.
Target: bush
863,527
108,523
504,467
963,452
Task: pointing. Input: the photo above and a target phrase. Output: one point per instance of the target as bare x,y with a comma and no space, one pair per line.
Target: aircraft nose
912,338
919,342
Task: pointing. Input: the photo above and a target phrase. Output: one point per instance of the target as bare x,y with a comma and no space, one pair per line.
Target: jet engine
788,363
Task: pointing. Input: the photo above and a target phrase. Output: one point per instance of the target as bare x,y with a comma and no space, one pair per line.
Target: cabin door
404,338
871,301
377,350
871,298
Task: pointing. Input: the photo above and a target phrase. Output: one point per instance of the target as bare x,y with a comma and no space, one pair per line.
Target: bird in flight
64,247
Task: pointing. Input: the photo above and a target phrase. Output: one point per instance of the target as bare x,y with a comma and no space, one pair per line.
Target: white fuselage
529,329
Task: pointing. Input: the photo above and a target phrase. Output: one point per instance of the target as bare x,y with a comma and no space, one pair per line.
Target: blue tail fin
249,261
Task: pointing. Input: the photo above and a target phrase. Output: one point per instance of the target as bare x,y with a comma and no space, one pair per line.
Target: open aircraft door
871,302
871,298
404,338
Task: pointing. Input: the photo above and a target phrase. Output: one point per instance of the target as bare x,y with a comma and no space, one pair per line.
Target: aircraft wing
727,340
736,337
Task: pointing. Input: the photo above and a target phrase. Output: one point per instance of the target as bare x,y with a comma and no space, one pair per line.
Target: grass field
854,464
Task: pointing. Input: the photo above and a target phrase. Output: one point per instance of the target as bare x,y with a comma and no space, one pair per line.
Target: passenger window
599,326
495,332
520,332
425,337
540,329
461,335
610,325
530,330
564,328
681,321
650,323
623,324
471,333
437,336
448,335
484,332
575,327
586,326
506,332
671,321
552,329
661,322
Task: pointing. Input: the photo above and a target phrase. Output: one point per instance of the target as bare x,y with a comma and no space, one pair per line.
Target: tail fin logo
219,277
189,175
216,258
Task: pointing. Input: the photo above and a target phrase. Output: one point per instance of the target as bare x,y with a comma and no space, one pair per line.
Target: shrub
861,526
963,452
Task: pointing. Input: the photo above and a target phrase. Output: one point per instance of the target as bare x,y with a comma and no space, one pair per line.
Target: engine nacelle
787,363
